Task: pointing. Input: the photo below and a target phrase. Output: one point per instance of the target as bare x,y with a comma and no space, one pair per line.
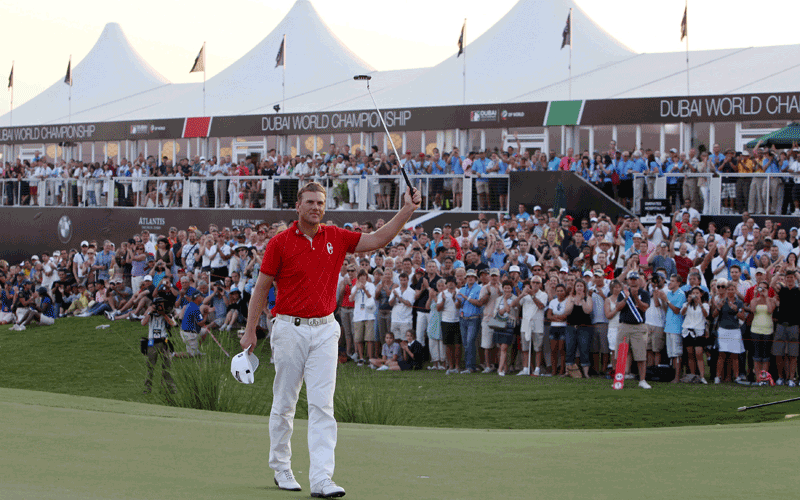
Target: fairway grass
72,357
62,447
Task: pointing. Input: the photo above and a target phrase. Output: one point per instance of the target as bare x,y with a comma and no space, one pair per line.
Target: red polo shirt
306,271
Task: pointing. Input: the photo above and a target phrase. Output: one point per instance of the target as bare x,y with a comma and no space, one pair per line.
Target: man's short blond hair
313,187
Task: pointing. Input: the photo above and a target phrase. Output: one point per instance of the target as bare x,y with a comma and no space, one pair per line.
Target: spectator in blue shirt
471,308
44,313
193,330
674,299
625,172
554,162
478,167
458,182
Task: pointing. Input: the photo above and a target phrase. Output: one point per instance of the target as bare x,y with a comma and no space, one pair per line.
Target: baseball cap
564,269
57,253
243,366
536,279
599,272
513,269
483,271
587,273
437,230
745,153
506,217
790,230
148,278
537,207
233,289
197,293
35,257
494,272
637,235
593,219
633,275
84,243
471,272
760,270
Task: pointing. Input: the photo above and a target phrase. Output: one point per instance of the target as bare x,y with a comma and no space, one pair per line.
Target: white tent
316,60
112,72
521,50
518,60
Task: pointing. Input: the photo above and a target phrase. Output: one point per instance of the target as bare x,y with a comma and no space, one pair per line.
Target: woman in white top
363,296
209,251
506,310
451,330
533,301
137,186
694,334
556,313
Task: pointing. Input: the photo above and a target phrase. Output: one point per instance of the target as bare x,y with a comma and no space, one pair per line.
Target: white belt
306,321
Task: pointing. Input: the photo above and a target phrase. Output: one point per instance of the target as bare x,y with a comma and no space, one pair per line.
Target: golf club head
362,77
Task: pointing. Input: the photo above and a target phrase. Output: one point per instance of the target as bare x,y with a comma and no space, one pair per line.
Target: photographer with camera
159,322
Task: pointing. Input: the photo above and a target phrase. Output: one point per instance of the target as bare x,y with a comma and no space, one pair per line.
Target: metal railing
345,192
722,193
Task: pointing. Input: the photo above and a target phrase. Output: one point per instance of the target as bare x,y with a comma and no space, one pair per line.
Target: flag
461,40
280,59
11,77
684,31
68,78
199,61
566,36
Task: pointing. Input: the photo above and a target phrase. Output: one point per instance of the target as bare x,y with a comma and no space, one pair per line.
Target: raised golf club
743,408
367,78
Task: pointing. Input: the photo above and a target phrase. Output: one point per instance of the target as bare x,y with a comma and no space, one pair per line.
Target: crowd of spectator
625,175
536,292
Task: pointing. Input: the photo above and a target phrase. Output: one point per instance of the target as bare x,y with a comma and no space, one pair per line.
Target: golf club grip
742,408
408,181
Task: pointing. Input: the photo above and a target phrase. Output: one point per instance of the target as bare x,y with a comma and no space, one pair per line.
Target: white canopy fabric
518,60
111,72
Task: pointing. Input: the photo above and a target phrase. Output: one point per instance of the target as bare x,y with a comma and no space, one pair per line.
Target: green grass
58,447
73,357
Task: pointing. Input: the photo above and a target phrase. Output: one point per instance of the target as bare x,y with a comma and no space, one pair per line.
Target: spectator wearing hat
469,305
236,313
44,312
193,329
533,303
632,304
489,294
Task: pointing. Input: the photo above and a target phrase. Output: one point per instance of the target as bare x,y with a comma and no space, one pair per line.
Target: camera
159,305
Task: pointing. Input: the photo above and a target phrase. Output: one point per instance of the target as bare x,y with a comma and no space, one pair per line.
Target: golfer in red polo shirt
304,262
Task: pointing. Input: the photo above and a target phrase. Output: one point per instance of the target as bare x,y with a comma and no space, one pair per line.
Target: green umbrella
783,138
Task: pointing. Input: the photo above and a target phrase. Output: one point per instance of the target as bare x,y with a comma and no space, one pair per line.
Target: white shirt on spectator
449,313
219,259
402,313
655,235
558,307
532,316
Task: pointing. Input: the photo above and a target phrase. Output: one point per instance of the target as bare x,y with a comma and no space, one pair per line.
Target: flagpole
464,44
70,89
283,85
571,28
204,78
688,92
11,112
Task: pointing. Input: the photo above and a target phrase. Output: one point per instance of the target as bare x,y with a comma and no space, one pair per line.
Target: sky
388,35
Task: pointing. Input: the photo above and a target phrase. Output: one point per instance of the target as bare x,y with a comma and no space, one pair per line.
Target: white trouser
422,326
310,353
136,283
194,193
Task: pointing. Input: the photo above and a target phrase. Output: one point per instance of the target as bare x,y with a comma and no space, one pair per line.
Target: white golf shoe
327,489
286,481
644,385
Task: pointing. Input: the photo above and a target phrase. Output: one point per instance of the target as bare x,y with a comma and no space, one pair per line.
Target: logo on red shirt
330,248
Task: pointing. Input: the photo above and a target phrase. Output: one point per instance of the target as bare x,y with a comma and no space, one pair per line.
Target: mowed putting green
57,446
